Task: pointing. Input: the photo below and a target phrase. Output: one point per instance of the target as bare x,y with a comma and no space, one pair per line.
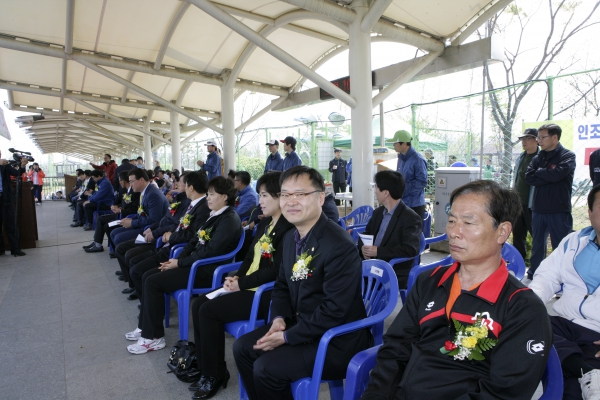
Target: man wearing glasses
318,288
551,174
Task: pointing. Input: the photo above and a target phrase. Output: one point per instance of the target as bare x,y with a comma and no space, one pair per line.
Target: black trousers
8,225
142,263
128,250
89,209
569,339
156,284
209,318
102,227
268,374
339,187
522,226
79,212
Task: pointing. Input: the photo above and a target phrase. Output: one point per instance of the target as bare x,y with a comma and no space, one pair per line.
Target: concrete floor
63,319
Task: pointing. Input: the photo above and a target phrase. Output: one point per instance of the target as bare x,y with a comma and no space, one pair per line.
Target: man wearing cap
413,166
523,223
291,157
337,167
212,166
274,161
474,162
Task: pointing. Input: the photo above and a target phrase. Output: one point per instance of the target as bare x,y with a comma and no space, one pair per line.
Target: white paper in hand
217,293
140,240
114,223
366,239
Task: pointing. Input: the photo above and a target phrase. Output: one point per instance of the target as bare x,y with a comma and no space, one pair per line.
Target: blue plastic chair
342,223
359,369
183,296
360,216
355,230
514,261
380,294
417,270
427,225
416,259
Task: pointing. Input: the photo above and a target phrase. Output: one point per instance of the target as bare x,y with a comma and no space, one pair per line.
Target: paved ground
63,320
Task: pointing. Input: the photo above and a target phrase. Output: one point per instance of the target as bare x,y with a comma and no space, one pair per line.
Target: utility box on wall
446,180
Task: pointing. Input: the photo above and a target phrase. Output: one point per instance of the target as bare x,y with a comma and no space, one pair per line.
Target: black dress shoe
76,224
194,387
121,278
118,273
95,249
132,296
18,253
88,246
127,290
112,255
211,386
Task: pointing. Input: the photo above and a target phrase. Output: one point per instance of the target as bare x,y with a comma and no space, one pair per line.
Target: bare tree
563,24
584,100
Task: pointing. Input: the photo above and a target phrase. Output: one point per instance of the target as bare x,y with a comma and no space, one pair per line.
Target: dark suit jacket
200,213
7,171
330,297
401,238
169,222
225,231
268,268
131,207
155,206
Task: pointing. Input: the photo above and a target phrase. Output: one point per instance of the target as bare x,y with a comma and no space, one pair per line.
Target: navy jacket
121,168
155,206
595,167
105,194
338,175
551,173
291,160
274,163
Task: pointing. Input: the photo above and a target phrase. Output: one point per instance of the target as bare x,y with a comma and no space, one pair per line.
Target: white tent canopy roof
69,59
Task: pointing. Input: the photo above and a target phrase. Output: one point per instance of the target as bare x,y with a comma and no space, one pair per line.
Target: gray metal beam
120,120
70,26
484,15
454,59
56,50
107,133
149,95
268,46
183,7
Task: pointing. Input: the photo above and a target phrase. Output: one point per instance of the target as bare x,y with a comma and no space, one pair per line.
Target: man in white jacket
575,264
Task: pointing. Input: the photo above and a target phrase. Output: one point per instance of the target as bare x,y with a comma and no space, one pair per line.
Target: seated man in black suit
86,190
396,228
181,227
471,330
307,301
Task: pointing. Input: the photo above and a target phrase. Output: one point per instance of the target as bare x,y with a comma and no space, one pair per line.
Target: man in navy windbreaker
101,200
413,166
551,174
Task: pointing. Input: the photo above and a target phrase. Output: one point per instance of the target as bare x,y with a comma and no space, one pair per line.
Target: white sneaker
134,335
590,385
145,345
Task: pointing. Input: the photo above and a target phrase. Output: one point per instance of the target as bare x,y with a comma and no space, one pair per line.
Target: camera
18,155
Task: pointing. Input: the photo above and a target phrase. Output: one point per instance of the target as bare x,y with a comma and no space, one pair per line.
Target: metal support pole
313,153
415,131
148,143
361,90
175,141
482,119
381,123
550,83
228,124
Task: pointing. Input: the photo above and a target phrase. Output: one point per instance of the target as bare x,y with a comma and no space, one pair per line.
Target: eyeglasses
296,196
541,137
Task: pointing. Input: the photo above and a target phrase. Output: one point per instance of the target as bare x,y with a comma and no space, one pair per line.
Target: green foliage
255,166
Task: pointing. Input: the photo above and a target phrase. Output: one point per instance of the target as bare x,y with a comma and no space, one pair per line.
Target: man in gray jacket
523,223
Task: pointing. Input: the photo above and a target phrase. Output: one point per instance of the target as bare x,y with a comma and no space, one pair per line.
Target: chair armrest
222,270
358,374
435,239
146,227
159,243
131,216
175,250
256,303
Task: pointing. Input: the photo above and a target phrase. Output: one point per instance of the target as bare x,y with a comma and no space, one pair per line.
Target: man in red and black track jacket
414,360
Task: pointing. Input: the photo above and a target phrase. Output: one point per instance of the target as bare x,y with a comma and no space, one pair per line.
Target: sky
579,52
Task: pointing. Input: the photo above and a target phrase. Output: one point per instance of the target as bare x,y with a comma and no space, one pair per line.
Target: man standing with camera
8,222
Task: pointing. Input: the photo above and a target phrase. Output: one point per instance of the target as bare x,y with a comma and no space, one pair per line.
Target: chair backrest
342,223
427,225
416,270
514,261
355,231
552,380
361,215
379,292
